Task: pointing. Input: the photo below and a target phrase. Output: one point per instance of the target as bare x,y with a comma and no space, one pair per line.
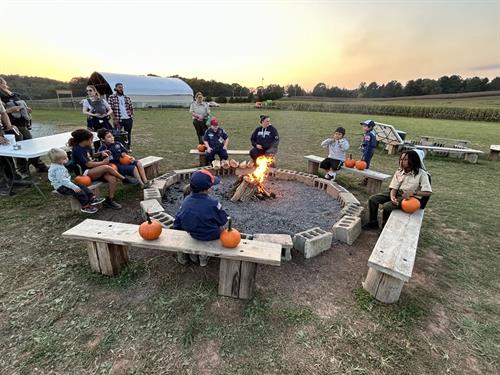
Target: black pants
23,164
200,127
330,163
383,199
84,196
256,152
96,123
126,124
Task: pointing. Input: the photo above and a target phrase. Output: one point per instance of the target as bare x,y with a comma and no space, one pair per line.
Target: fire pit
251,186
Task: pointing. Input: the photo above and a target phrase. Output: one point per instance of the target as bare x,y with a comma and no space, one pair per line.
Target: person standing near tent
97,110
123,111
200,111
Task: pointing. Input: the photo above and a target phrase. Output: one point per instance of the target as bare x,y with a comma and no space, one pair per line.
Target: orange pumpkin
410,205
114,166
83,180
126,160
201,148
360,164
230,237
151,229
350,163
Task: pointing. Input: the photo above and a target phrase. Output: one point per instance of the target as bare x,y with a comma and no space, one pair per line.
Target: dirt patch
206,356
439,322
227,309
95,341
121,366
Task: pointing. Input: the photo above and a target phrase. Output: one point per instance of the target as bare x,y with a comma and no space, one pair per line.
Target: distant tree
273,92
361,91
372,90
475,84
451,85
78,85
295,90
391,89
494,84
320,89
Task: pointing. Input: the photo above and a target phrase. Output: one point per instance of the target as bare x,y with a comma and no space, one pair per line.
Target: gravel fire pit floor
297,207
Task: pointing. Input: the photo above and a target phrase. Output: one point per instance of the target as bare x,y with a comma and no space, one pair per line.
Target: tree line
33,88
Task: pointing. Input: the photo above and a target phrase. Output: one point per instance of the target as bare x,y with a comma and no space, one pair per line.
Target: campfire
251,186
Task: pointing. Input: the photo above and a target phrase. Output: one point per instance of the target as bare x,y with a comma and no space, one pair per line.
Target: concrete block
347,229
312,242
286,174
158,184
321,183
151,206
306,178
170,178
246,236
285,240
347,198
351,209
165,219
185,174
334,189
152,193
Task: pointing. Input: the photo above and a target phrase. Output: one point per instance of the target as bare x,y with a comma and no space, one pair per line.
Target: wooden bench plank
175,241
230,152
366,172
149,160
394,253
494,151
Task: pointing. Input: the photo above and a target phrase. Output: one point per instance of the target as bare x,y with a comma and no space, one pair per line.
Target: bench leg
107,259
203,160
286,254
152,171
312,167
373,186
75,204
237,278
493,155
382,287
471,158
392,149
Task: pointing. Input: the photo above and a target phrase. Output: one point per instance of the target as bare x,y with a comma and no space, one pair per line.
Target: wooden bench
151,166
427,140
494,151
203,161
375,178
468,154
392,258
108,244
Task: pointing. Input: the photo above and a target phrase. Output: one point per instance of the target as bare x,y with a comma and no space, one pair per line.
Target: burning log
243,164
251,186
233,163
250,164
245,191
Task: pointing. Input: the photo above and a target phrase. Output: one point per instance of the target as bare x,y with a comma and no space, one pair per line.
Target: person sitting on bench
216,140
264,139
201,216
410,180
337,146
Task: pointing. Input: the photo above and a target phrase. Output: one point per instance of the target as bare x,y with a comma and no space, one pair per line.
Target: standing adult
123,111
20,117
200,111
97,110
265,139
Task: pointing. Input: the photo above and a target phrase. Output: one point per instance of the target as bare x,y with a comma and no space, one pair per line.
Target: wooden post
392,149
383,287
312,167
493,155
75,204
237,278
203,160
105,258
373,186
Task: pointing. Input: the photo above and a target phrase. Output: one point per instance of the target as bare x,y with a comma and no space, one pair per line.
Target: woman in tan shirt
410,180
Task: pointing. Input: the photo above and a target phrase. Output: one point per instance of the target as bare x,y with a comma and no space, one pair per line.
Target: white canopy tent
145,91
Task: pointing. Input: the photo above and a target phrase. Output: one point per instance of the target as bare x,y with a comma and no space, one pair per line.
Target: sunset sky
337,42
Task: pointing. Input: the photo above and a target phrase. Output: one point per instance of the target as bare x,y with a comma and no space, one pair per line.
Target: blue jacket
369,141
267,137
215,139
201,216
116,151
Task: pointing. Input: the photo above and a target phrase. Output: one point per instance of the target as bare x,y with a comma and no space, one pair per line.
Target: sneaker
203,260
370,226
89,210
328,177
194,258
131,180
96,201
147,184
182,258
108,202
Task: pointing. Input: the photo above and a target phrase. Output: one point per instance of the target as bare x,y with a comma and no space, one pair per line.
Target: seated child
83,156
61,181
201,216
337,146
216,141
115,151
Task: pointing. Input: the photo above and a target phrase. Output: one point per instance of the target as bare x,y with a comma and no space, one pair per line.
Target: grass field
309,317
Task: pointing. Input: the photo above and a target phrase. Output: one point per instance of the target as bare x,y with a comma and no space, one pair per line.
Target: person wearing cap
369,141
200,111
337,146
200,215
410,180
265,139
216,140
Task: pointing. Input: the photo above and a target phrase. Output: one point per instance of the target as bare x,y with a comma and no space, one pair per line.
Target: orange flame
263,163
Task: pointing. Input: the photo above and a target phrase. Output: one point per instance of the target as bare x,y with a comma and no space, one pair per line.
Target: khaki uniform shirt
200,109
408,182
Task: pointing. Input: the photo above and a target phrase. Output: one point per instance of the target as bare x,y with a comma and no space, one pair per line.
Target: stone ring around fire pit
310,242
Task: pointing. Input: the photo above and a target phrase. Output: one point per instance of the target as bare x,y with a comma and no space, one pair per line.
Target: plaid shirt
115,106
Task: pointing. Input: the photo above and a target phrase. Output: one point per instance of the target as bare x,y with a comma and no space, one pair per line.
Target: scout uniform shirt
409,182
215,139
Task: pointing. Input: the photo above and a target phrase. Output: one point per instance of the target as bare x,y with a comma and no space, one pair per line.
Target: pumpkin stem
229,224
149,218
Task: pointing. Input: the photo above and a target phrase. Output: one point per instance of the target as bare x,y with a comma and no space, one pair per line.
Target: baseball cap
369,123
203,180
214,121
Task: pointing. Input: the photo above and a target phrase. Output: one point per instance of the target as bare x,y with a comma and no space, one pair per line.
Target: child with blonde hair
60,179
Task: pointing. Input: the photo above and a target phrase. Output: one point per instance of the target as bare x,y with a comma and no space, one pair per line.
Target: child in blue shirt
200,215
369,141
115,151
61,181
337,146
216,140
